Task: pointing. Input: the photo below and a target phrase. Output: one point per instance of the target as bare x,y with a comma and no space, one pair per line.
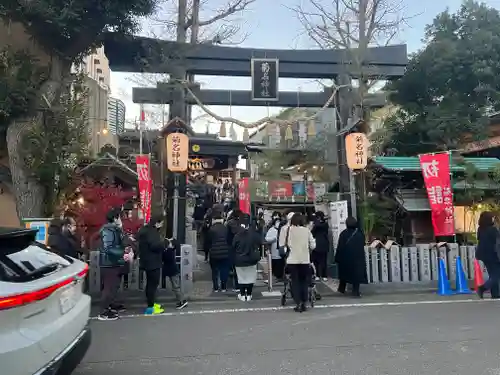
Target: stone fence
393,265
137,280
417,263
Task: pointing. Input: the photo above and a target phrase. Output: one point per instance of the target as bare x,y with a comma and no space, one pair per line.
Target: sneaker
117,308
235,290
181,305
158,309
157,305
480,291
155,310
249,298
108,315
240,297
216,291
325,279
316,278
223,290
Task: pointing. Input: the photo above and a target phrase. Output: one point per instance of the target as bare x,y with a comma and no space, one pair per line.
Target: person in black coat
350,257
205,228
151,247
319,256
62,239
198,215
246,245
219,253
233,227
487,251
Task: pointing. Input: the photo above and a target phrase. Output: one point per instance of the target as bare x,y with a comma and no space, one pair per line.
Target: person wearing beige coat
300,242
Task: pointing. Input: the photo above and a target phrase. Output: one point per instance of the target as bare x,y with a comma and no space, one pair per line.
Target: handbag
284,251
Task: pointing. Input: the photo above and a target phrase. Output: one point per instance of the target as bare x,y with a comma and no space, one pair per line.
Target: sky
272,24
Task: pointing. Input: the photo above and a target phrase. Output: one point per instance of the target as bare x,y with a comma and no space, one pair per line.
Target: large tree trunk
28,191
30,194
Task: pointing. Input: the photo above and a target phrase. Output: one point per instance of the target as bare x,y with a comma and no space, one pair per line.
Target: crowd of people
117,250
233,246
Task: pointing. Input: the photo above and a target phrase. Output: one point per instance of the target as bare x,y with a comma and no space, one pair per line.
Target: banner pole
452,197
269,270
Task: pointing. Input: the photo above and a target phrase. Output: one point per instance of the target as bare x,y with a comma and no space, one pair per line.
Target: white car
44,314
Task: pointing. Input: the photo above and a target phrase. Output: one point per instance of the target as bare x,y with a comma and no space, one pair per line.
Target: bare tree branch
234,6
198,24
354,26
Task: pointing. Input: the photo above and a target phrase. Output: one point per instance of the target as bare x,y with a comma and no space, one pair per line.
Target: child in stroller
313,294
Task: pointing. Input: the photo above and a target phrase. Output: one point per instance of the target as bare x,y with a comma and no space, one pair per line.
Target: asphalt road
406,336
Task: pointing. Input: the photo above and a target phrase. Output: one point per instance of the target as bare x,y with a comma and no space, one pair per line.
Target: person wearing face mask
277,262
63,240
111,260
320,231
151,249
246,245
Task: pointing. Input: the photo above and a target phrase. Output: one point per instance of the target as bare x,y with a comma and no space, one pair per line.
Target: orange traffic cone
478,275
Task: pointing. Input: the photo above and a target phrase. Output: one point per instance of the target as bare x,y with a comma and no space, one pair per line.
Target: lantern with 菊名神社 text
356,148
177,145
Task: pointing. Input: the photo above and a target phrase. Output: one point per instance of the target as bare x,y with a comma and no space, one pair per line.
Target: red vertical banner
436,173
145,184
244,195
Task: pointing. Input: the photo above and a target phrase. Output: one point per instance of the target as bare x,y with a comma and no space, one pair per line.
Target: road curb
368,292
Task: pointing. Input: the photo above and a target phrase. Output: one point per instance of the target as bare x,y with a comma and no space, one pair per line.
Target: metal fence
417,263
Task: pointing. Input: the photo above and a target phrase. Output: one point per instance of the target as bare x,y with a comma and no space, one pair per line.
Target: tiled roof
412,163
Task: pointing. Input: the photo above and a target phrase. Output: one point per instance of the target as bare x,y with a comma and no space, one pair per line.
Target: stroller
312,292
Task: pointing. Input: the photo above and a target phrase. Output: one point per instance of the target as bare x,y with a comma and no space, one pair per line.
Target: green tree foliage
20,81
54,146
378,216
36,79
451,85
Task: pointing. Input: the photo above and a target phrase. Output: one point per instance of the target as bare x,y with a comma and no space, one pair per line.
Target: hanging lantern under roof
222,130
289,133
246,136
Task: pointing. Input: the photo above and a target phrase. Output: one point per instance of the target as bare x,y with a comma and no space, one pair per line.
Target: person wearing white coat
300,244
277,262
